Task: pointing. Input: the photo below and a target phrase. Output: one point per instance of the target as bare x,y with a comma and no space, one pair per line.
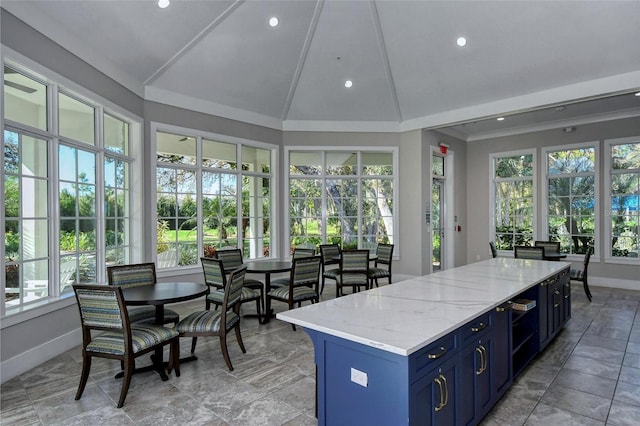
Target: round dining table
159,295
268,267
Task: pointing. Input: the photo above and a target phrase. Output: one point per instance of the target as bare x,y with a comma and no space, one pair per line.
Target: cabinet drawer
476,327
437,352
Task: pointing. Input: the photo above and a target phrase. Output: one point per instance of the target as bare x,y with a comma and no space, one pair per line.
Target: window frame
493,157
393,150
596,207
608,172
198,168
55,84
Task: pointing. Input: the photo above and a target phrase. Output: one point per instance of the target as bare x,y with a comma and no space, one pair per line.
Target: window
204,200
571,197
624,197
513,194
344,197
55,184
26,213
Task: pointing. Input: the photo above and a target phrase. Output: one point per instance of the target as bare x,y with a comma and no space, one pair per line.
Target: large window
624,198
66,189
344,197
513,193
571,197
205,201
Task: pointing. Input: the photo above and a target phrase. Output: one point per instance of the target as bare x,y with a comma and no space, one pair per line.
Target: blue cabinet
454,380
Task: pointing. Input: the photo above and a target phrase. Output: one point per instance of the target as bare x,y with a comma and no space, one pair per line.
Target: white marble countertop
405,316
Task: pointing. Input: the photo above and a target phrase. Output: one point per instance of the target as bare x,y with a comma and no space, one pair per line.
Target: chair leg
194,340
261,319
174,355
239,339
586,289
225,350
128,371
86,366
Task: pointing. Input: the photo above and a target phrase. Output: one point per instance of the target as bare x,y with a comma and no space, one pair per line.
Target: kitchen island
441,348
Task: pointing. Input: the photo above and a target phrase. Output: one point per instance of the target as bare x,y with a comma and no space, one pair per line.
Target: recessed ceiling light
500,118
461,41
348,83
560,108
569,129
638,94
273,22
162,4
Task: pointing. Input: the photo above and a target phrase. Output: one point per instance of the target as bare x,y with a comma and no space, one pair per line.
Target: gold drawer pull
479,327
443,351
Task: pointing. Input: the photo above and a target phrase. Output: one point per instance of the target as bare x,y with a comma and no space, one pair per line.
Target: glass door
437,225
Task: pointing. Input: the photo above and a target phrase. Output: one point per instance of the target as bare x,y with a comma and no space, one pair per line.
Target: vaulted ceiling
222,57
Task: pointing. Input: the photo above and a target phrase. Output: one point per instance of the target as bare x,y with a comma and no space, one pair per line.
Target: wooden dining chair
330,254
526,252
582,275
231,259
492,247
102,309
354,271
215,278
384,254
219,322
302,285
548,246
297,254
134,275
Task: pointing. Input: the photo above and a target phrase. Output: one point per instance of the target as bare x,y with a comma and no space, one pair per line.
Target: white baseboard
614,283
36,356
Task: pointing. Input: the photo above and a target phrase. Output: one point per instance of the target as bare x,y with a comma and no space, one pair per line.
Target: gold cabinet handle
479,370
441,405
479,327
443,351
446,390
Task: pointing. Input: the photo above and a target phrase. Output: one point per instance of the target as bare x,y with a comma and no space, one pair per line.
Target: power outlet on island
359,377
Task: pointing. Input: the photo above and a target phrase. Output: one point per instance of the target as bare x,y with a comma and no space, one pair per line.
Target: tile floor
589,375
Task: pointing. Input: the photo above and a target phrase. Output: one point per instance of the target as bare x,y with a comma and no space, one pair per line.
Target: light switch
359,377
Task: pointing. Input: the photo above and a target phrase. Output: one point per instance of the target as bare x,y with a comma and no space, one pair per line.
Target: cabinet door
433,397
543,307
501,352
474,399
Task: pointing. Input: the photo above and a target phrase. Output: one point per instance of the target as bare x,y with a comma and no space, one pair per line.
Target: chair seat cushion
299,293
280,282
142,337
217,296
353,279
576,274
251,283
147,314
378,273
332,273
205,322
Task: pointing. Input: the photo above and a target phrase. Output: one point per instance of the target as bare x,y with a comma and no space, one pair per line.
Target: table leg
267,302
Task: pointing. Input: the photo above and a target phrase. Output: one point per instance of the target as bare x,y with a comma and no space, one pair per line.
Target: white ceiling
221,57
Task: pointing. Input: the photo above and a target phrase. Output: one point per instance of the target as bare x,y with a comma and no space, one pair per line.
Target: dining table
268,267
158,295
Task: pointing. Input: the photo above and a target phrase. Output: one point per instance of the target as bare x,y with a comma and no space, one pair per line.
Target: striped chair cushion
217,296
354,279
147,314
142,337
213,274
332,273
384,253
133,277
280,282
306,271
99,308
299,293
205,322
378,273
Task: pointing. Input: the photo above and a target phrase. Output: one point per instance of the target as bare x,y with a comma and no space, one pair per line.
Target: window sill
18,314
623,260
